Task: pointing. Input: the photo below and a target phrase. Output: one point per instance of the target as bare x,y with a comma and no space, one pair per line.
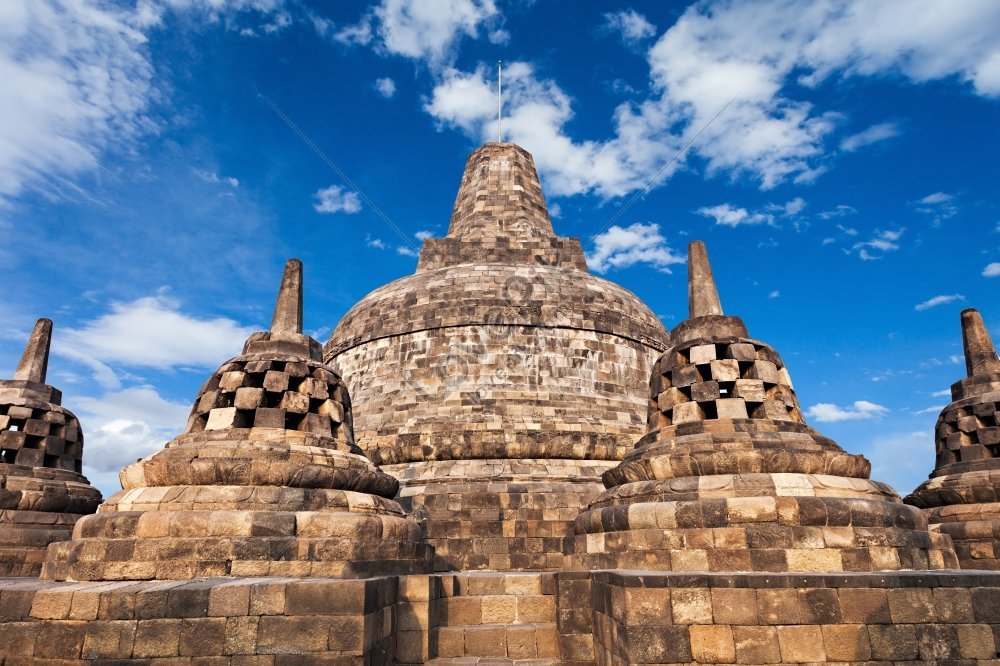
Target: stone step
518,642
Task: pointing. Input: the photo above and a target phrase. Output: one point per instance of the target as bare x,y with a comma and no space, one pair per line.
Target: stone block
712,644
976,641
734,606
705,391
277,634
269,417
893,642
248,398
731,408
846,642
802,643
756,645
230,381
686,412
499,609
725,370
222,418
296,403
691,606
275,382
701,354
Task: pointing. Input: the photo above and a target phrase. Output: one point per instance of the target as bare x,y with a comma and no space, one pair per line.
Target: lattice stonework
269,393
968,433
735,378
40,437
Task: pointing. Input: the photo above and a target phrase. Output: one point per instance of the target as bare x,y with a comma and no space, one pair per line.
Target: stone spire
980,354
43,490
703,297
962,496
705,318
288,308
35,360
730,477
500,216
285,335
266,480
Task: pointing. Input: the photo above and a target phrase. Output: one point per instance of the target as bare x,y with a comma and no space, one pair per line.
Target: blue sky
838,157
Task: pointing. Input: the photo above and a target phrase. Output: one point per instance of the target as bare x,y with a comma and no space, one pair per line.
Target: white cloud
149,332
536,112
943,299
636,244
826,412
992,270
215,178
123,426
630,24
943,393
881,242
940,206
840,210
74,80
376,243
385,87
731,216
873,134
555,211
407,251
751,56
335,199
423,235
429,30
774,294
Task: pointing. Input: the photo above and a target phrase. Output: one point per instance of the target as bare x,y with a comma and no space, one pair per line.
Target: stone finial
703,297
980,354
35,360
288,308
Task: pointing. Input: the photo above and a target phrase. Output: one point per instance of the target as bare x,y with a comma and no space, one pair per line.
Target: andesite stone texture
502,379
42,490
962,496
731,478
265,481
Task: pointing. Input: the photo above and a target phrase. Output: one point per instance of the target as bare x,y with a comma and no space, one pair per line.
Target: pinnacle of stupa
266,480
730,477
962,495
42,490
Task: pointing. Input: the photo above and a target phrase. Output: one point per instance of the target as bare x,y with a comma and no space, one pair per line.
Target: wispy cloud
630,24
878,246
376,243
873,134
386,87
940,206
215,178
826,412
637,243
943,299
335,199
840,210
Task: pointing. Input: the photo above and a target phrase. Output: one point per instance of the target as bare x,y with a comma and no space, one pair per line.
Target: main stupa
501,379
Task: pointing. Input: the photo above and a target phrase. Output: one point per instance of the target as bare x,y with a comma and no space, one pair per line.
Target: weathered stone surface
263,482
960,498
731,478
502,347
42,490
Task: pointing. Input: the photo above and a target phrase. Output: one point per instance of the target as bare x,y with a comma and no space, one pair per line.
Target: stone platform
572,618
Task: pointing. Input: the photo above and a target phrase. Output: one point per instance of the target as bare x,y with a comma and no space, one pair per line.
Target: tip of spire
288,308
35,360
703,297
980,354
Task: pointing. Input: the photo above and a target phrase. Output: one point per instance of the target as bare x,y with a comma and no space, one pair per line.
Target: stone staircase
495,618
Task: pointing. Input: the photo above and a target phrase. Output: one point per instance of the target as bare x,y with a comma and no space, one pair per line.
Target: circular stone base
785,533
208,531
499,514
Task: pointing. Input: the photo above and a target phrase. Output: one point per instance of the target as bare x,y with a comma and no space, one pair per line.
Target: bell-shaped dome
265,480
731,478
502,345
